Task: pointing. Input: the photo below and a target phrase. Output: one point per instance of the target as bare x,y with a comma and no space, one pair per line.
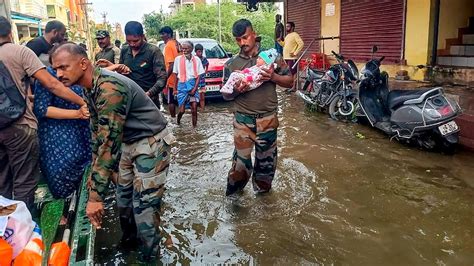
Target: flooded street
337,199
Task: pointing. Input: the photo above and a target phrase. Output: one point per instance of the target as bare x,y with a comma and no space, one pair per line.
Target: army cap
100,34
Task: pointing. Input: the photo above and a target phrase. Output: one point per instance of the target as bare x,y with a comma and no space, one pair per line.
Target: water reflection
338,198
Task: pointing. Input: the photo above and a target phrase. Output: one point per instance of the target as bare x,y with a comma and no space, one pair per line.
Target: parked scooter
424,117
332,90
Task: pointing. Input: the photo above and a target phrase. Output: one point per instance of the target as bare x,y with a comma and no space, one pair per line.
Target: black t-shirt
147,66
279,31
39,46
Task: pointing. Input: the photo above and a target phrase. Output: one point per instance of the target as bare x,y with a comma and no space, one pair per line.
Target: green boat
82,237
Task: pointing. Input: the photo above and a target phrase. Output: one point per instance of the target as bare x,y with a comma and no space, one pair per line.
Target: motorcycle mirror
374,49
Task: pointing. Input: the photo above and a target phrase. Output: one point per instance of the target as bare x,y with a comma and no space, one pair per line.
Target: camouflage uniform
250,131
255,124
143,170
143,163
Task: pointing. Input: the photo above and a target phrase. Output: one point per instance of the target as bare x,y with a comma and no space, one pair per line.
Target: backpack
12,102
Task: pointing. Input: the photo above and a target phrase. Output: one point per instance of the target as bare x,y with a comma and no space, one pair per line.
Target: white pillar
5,9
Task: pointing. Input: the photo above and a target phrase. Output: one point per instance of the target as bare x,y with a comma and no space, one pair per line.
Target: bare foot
63,220
169,242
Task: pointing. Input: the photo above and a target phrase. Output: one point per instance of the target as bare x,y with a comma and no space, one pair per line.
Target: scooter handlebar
338,56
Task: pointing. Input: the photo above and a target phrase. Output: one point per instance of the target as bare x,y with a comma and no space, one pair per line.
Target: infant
251,75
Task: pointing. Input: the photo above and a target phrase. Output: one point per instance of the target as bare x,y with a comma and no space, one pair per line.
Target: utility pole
220,21
104,16
85,5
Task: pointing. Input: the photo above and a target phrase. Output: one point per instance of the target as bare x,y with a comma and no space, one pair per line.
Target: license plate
213,88
448,128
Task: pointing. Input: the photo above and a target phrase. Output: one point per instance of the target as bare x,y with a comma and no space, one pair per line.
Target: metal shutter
366,23
306,14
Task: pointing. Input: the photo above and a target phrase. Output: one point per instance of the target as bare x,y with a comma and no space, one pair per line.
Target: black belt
261,115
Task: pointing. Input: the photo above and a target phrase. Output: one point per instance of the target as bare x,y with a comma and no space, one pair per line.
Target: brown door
306,15
367,23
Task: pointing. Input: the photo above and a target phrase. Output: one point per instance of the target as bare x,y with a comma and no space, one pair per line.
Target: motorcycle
424,117
332,90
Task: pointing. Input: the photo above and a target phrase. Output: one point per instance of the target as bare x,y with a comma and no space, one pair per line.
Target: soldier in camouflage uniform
255,118
123,120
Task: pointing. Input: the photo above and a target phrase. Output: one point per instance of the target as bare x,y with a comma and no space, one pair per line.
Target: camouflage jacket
107,102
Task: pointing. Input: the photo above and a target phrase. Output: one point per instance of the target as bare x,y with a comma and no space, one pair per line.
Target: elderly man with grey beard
188,69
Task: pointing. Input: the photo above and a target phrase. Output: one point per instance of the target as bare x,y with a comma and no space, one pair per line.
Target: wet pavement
343,194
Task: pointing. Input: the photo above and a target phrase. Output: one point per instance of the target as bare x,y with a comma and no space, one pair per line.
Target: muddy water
337,199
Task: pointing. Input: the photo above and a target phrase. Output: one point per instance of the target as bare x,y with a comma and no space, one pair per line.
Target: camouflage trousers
250,131
143,169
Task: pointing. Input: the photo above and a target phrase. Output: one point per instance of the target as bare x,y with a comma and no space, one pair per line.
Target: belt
261,115
165,135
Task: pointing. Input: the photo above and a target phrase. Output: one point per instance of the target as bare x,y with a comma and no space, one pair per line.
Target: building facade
177,4
29,17
424,39
403,30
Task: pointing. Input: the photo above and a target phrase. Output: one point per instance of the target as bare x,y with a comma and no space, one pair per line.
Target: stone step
462,50
471,22
468,39
457,61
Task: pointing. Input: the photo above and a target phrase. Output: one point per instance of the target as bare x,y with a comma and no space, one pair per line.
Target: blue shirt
65,148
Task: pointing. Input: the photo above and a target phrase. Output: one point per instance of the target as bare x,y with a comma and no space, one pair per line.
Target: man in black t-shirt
279,34
55,32
145,61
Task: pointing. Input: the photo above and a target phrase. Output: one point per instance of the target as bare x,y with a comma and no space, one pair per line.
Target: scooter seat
398,97
316,74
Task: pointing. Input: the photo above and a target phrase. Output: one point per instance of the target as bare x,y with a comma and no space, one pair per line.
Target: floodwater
339,198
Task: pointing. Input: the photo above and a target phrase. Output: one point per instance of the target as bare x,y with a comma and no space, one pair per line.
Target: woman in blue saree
64,140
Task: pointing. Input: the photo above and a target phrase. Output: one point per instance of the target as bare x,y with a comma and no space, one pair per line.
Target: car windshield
213,50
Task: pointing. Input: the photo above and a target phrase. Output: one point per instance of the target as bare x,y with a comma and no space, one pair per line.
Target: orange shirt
170,53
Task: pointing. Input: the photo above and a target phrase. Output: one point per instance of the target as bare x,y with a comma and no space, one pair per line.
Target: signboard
330,9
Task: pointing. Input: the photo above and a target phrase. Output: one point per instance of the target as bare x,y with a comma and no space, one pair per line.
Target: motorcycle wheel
446,146
336,109
438,143
427,143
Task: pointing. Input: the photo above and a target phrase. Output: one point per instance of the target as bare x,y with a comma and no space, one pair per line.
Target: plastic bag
16,224
6,253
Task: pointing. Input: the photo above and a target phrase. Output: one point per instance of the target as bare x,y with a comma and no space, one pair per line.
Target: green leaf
202,21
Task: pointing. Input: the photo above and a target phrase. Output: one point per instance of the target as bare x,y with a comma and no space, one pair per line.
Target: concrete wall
33,7
417,36
330,24
417,33
60,10
454,14
5,8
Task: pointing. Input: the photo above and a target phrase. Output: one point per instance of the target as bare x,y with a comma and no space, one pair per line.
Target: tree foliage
202,21
153,22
